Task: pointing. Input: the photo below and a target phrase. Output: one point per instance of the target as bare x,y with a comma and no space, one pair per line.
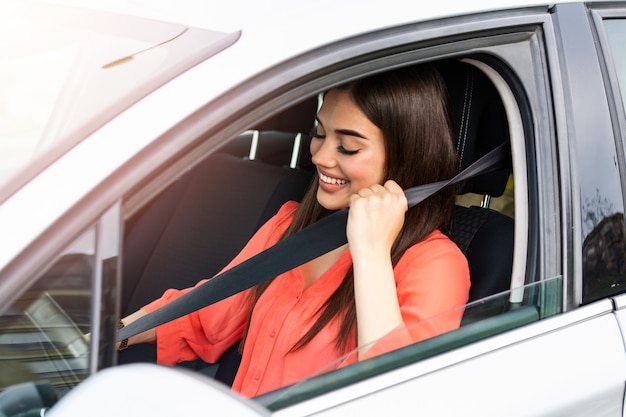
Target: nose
322,152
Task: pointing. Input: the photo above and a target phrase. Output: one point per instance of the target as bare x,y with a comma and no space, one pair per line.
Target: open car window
481,319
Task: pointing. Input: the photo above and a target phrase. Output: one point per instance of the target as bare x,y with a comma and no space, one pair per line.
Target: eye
317,135
345,151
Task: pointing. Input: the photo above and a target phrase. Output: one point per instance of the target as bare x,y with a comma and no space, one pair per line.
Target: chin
330,203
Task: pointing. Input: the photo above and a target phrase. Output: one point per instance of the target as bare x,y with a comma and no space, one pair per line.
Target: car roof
274,31
246,14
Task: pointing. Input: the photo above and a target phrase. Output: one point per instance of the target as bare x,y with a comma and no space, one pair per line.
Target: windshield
481,319
66,71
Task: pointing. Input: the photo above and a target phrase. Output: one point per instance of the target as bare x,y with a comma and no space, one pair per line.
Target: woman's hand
375,218
147,336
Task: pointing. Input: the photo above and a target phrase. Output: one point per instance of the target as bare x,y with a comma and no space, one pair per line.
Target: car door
573,362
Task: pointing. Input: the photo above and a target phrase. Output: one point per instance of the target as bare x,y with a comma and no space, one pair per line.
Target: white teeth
329,180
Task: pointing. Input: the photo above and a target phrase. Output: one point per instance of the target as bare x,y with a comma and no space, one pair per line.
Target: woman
399,279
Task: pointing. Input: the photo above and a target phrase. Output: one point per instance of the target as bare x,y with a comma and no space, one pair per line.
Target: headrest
298,118
479,122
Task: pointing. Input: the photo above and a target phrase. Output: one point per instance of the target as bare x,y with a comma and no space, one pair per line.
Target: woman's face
348,150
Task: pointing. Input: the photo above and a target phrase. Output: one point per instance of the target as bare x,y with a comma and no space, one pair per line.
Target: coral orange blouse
432,279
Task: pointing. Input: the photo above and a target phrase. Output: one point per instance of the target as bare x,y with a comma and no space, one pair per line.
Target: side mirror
153,390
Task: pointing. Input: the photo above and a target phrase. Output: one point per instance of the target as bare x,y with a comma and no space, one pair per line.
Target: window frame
488,41
105,303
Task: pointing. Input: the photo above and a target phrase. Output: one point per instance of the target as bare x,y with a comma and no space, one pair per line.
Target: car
139,155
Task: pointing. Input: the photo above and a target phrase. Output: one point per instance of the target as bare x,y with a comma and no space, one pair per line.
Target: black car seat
193,229
485,236
199,223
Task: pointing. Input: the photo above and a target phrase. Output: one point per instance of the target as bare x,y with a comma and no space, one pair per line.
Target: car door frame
586,331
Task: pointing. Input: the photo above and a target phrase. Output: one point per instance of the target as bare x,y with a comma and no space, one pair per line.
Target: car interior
193,228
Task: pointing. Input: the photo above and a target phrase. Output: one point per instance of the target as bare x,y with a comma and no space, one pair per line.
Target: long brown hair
409,106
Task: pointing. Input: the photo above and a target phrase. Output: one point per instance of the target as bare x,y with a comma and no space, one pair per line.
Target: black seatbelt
315,240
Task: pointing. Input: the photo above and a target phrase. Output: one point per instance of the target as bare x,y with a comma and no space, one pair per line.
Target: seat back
485,236
196,226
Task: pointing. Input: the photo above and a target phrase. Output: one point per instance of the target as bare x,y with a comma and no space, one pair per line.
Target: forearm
377,306
144,337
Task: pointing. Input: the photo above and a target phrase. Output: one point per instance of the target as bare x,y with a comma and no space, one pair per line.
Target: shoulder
435,252
284,216
287,210
435,243
277,224
268,234
434,268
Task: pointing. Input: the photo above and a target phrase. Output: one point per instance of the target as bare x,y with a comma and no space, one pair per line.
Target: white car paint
148,390
326,15
64,185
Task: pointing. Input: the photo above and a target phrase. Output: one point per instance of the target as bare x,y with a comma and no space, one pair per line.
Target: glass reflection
41,333
604,244
481,319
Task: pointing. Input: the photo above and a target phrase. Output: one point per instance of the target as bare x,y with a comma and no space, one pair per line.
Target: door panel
570,365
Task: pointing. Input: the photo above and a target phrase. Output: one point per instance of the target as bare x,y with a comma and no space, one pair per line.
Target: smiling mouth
330,180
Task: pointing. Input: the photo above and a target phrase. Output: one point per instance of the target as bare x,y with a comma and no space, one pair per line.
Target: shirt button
257,376
273,334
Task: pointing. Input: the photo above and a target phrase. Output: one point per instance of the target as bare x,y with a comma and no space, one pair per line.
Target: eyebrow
345,132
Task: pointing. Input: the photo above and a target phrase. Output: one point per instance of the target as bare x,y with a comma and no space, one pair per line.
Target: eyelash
340,148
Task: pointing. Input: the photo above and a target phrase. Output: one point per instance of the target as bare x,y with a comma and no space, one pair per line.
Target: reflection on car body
151,190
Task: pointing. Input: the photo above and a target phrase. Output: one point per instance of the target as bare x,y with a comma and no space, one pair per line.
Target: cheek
376,166
366,172
381,165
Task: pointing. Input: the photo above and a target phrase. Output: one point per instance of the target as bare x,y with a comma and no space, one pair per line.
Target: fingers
390,189
393,187
375,218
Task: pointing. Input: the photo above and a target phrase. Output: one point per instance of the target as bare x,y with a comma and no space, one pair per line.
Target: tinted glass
604,232
41,332
481,319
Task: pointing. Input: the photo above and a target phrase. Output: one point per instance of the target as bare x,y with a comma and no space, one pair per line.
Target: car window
616,34
481,319
41,332
604,230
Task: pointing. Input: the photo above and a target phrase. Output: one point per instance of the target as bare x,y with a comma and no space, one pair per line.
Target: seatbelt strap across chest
315,240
